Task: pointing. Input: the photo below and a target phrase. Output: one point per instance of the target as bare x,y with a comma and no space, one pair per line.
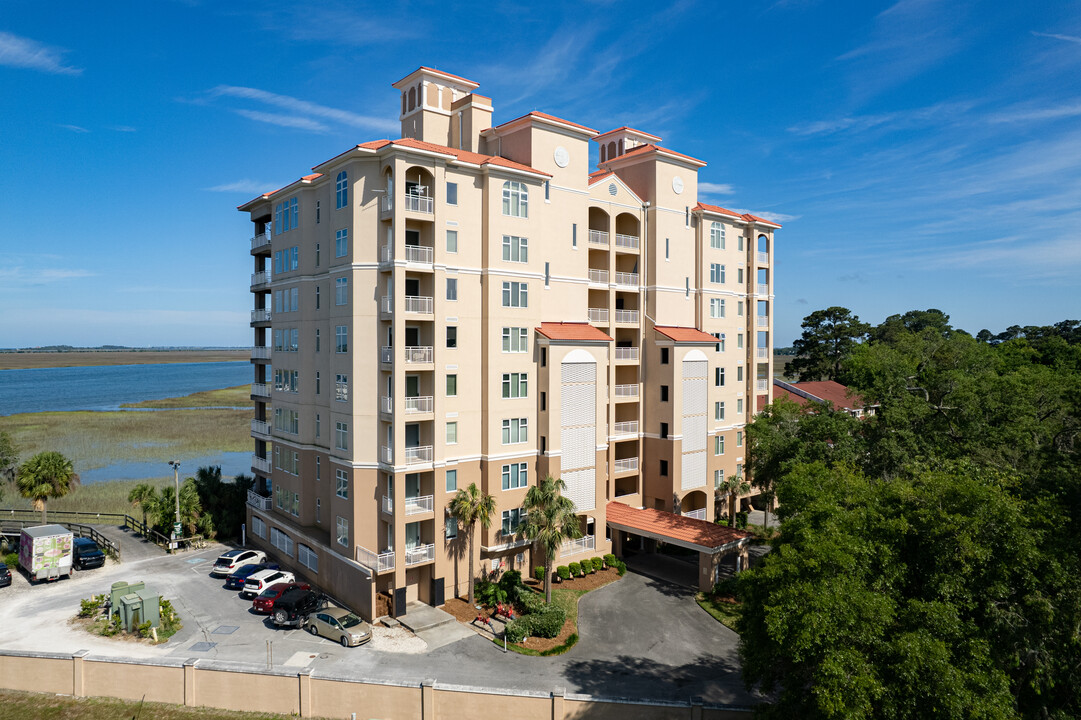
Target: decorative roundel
562,157
677,185
612,189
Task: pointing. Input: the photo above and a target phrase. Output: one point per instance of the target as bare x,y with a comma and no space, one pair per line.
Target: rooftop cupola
428,98
619,141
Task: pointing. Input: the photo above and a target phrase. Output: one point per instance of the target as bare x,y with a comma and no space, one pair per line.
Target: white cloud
19,276
243,186
771,216
1056,36
74,128
708,188
305,112
289,121
123,128
1027,114
23,52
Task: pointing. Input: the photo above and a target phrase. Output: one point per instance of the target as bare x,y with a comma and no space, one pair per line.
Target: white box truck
45,552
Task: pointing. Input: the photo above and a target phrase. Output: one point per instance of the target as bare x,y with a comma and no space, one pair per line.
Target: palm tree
550,520
191,509
144,497
46,475
733,487
470,506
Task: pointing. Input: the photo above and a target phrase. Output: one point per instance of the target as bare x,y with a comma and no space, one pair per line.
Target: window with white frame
341,488
716,273
281,541
739,308
341,339
512,521
452,385
515,430
739,373
341,243
342,531
720,342
307,557
452,241
515,199
515,249
287,420
452,288
718,377
341,387
716,308
739,406
718,445
286,216
258,526
342,190
515,385
452,528
514,476
718,410
287,381
515,340
341,435
452,193
515,294
452,480
341,291
739,438
716,236
452,433
718,476
295,511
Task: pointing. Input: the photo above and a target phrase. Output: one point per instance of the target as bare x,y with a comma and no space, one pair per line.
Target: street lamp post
175,465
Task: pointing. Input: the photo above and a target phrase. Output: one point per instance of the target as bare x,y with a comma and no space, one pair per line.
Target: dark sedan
235,580
5,575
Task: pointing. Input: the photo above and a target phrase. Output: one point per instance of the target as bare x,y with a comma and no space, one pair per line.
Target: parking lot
640,637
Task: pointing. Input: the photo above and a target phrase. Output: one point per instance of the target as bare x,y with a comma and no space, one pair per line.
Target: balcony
377,562
418,354
260,279
761,385
386,354
419,554
386,454
258,502
628,392
388,505
386,254
418,203
626,354
627,279
260,316
582,544
419,504
626,465
386,404
763,258
762,321
386,305
761,353
260,429
625,427
627,241
260,390
260,240
418,455
260,352
598,315
627,317
598,237
417,304
699,514
599,277
260,464
387,203
419,404
418,254
762,288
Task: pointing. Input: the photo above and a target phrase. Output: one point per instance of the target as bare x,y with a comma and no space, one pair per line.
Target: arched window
716,236
343,189
412,98
515,199
611,149
603,153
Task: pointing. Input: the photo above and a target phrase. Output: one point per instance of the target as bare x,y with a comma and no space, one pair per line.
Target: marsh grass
102,497
239,396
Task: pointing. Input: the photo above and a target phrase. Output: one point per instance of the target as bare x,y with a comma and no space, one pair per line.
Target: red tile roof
596,177
463,155
440,72
644,149
546,116
684,334
825,390
640,133
676,527
780,392
306,178
744,216
572,331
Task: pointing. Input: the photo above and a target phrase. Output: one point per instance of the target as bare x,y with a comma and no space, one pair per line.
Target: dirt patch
589,582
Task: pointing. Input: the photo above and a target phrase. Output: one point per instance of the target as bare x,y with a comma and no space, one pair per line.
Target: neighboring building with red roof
838,396
479,302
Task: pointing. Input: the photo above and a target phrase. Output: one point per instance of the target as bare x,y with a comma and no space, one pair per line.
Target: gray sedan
340,625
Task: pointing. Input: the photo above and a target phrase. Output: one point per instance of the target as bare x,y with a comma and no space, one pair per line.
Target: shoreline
86,358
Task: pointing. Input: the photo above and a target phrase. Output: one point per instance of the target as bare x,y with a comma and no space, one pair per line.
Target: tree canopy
469,506
828,337
550,520
46,475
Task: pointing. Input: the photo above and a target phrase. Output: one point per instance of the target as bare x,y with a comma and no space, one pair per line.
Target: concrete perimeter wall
233,686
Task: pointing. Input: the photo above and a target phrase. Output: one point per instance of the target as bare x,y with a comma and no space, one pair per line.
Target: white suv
263,579
230,561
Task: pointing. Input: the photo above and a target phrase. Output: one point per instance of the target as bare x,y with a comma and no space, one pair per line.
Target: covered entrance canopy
711,541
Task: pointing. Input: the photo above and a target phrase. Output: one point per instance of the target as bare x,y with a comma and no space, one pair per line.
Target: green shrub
489,593
531,602
538,573
12,560
741,520
144,629
621,567
597,564
517,630
563,572
549,623
726,587
113,627
609,559
575,569
722,520
90,606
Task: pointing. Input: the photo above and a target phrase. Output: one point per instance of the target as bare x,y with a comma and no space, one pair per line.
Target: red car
264,602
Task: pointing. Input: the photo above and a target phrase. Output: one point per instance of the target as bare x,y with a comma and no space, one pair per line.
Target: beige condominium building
472,303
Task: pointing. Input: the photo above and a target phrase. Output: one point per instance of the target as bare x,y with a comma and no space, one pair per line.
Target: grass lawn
725,613
15,705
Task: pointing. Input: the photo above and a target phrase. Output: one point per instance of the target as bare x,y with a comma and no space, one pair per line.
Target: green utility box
120,589
151,608
130,607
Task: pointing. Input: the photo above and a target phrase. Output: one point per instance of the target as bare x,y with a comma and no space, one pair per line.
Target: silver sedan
340,625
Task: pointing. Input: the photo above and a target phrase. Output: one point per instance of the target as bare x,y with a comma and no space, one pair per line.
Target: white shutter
693,470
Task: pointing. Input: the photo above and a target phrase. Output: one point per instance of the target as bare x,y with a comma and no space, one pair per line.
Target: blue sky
919,154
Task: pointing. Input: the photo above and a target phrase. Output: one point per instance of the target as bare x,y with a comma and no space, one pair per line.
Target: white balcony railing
419,404
260,428
387,203
598,237
260,278
626,353
418,254
598,315
386,254
378,562
582,544
418,354
626,464
260,464
260,352
763,258
627,316
761,353
416,304
418,454
419,554
761,385
388,505
627,241
418,203
257,501
627,391
386,404
260,315
419,504
699,514
762,288
627,278
762,320
260,389
260,240
598,276
625,427
386,304
386,354
386,454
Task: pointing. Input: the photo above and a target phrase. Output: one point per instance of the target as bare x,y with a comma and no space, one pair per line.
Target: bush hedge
563,572
597,564
538,573
609,559
575,569
547,624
